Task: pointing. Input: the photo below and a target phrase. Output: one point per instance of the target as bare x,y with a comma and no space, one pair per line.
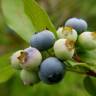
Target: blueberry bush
53,58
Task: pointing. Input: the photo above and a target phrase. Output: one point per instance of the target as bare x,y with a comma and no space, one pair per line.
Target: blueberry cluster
32,64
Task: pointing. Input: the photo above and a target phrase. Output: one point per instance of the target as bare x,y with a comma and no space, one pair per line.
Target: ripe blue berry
79,25
29,78
30,59
51,70
64,49
43,40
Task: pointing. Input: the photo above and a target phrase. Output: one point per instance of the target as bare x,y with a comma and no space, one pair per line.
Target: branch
89,73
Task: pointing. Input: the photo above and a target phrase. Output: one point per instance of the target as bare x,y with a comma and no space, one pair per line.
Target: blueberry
64,49
87,40
79,25
67,33
30,59
28,77
51,70
15,61
43,40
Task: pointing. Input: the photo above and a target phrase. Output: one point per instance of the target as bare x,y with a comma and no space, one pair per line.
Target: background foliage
59,11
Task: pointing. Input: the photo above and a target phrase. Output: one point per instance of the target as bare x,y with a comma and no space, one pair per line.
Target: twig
89,73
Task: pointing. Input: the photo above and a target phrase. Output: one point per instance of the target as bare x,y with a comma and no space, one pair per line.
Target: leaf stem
89,73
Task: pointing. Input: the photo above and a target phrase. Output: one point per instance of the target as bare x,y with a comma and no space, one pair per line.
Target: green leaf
18,88
6,71
38,16
88,57
90,85
16,18
26,17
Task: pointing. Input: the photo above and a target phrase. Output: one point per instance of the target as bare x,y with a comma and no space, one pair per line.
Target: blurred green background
59,11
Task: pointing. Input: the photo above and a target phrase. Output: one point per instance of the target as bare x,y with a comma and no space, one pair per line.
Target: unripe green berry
28,77
30,59
87,40
64,49
15,62
67,33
